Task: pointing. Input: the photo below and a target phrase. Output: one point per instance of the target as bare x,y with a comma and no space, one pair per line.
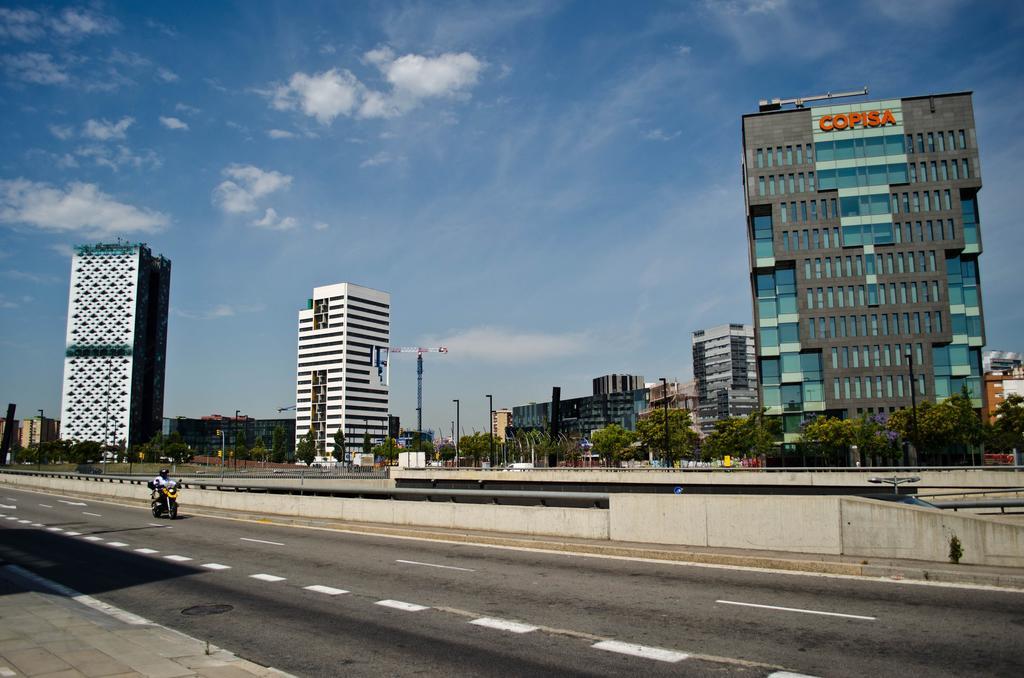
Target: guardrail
597,500
705,469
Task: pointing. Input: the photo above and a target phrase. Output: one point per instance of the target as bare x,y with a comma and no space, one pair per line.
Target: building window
799,154
963,140
789,155
760,185
760,158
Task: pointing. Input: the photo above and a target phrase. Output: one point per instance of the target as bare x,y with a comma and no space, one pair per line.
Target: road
317,602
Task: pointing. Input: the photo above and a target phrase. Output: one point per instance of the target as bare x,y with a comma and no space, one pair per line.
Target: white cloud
185,108
659,134
20,24
173,123
62,132
412,79
66,161
271,221
30,277
494,344
245,185
35,67
63,249
78,208
220,311
117,157
683,50
421,77
76,22
104,130
382,158
323,96
280,134
320,226
166,74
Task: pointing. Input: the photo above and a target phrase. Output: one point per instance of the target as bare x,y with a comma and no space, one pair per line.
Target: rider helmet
163,473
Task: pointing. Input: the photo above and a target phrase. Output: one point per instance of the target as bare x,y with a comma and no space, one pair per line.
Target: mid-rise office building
864,235
343,333
617,383
206,435
726,373
116,344
1001,361
36,430
501,422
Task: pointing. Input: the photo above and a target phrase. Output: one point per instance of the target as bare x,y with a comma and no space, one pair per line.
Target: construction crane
383,363
776,104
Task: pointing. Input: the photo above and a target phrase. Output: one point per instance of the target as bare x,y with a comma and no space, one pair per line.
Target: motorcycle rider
162,480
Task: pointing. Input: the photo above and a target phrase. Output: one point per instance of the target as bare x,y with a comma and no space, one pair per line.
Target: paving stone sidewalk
46,634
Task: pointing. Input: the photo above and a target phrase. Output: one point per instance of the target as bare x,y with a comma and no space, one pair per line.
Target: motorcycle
165,501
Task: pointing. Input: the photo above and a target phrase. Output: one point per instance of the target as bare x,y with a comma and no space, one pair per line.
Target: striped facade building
338,383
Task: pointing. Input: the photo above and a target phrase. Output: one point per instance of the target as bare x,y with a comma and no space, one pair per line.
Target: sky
550,189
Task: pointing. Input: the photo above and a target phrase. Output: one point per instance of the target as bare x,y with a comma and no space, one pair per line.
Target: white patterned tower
116,344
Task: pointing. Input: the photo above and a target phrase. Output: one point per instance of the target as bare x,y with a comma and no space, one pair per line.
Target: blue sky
550,189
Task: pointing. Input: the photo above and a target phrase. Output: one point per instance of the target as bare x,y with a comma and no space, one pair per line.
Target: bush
956,550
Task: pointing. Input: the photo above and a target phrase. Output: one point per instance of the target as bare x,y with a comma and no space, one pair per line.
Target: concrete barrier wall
827,525
527,520
773,523
882,530
960,478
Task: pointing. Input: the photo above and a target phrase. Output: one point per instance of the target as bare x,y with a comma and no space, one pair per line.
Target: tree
729,437
367,445
388,450
86,451
277,444
259,450
339,444
1006,433
829,436
305,451
241,444
614,443
154,449
475,447
682,438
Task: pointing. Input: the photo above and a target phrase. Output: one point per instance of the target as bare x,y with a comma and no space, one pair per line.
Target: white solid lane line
178,559
146,551
399,605
325,589
445,567
86,513
504,625
266,577
656,653
796,609
216,566
261,541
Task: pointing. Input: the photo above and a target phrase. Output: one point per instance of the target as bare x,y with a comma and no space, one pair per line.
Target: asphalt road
403,606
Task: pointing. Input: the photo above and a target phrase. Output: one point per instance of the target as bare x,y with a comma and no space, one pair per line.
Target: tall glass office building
864,237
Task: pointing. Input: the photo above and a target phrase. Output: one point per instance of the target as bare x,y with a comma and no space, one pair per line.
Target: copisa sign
841,121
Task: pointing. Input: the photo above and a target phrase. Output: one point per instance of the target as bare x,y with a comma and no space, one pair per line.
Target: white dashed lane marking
796,609
443,567
159,525
86,513
504,625
116,543
73,534
216,566
399,605
24,522
9,518
4,671
788,674
55,529
146,551
73,503
91,538
656,653
325,589
266,577
46,506
178,559
262,541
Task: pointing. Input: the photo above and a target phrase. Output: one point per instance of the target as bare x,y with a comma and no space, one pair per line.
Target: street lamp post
895,481
664,394
490,423
913,405
458,429
39,443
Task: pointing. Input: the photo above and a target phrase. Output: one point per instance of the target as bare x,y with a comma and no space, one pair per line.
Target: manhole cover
204,610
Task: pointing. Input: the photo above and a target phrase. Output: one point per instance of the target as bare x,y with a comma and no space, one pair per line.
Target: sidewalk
46,632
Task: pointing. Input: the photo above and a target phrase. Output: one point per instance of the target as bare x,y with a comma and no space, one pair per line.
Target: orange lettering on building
834,123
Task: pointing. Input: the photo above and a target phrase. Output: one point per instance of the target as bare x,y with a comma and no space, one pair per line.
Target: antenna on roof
776,104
